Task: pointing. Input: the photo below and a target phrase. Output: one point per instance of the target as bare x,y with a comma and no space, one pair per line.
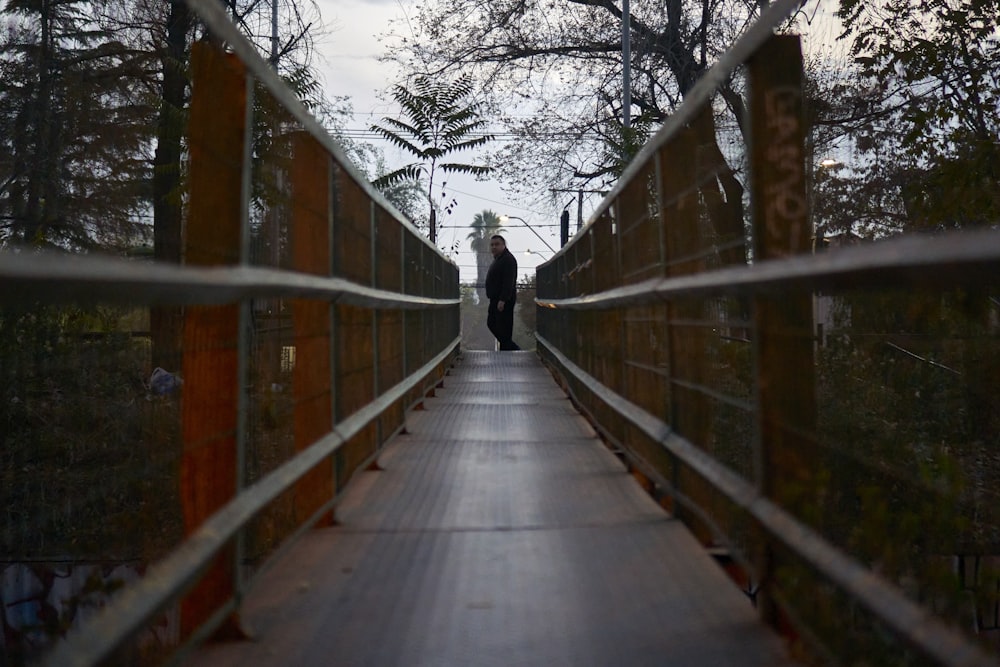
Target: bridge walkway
499,530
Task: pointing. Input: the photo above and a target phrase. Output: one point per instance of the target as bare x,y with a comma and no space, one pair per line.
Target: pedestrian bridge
498,529
705,460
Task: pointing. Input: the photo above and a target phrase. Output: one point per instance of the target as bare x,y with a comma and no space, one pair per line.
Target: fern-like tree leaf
437,119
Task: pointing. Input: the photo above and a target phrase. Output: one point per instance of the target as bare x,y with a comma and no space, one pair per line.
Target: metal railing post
243,339
204,574
376,356
403,285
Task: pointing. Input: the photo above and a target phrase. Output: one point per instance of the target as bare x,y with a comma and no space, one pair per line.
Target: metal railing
308,316
758,389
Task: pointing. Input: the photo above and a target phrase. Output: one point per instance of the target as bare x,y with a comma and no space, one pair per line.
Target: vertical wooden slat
353,339
783,342
311,377
690,410
209,408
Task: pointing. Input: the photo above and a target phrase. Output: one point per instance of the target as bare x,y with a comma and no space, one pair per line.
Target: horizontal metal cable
953,259
97,639
61,278
908,620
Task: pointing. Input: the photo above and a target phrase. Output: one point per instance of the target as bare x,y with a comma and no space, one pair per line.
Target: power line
357,133
469,226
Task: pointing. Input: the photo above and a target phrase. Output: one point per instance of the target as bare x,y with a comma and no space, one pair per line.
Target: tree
74,176
924,117
440,121
927,130
561,62
173,26
93,104
484,226
406,195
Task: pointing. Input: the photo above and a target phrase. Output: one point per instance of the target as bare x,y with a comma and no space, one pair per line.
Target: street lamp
505,218
528,252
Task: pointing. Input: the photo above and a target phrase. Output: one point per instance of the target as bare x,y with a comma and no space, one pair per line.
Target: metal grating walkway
500,532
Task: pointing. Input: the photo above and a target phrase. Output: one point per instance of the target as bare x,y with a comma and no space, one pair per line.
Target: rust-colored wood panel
721,191
605,273
786,381
355,452
389,242
681,212
390,348
352,230
392,419
413,325
645,343
412,264
313,408
310,206
355,359
218,104
690,411
311,377
210,364
638,229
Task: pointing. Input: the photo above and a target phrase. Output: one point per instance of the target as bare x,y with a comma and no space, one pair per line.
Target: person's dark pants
501,325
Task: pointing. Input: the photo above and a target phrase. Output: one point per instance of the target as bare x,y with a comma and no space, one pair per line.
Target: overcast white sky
349,62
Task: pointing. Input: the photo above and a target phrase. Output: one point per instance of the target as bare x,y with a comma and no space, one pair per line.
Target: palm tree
484,225
439,121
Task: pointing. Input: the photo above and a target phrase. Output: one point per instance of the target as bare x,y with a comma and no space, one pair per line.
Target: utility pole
579,210
579,201
274,33
626,65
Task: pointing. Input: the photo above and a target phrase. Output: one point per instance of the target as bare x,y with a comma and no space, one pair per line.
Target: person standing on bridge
501,290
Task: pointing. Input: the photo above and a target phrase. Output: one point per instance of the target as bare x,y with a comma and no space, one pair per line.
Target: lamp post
505,218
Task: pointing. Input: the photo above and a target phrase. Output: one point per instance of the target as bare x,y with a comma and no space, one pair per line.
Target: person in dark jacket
501,290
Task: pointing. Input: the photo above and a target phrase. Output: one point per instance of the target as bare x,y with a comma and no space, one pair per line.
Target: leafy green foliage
406,195
87,455
924,115
76,130
555,69
438,121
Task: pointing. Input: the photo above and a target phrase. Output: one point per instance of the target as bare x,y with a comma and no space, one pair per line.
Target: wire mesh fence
821,408
168,426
